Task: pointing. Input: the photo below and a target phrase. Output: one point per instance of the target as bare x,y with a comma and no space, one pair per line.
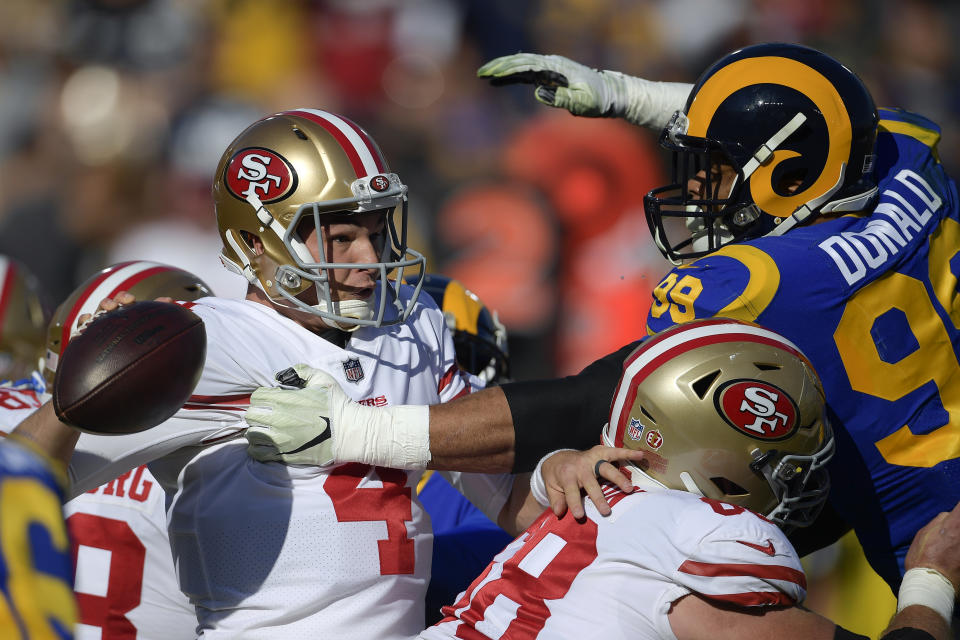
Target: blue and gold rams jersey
872,300
36,569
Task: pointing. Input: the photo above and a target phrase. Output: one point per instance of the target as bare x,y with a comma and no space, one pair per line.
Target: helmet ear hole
646,413
767,366
702,385
249,240
729,487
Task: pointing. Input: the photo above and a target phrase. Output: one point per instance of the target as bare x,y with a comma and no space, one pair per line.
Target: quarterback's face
357,238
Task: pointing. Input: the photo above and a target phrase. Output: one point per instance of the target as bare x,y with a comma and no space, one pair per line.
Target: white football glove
319,424
561,82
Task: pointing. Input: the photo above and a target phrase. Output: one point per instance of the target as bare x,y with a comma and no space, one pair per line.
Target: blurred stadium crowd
113,114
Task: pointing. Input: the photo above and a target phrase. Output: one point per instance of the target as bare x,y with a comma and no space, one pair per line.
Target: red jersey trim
237,402
762,571
447,379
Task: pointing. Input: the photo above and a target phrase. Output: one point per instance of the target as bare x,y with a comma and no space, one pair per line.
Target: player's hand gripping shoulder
293,423
310,420
562,476
561,82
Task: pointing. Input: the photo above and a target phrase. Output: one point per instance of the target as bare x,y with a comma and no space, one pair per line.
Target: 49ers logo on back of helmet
758,409
260,172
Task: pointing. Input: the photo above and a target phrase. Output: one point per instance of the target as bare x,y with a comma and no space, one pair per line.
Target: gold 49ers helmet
23,321
796,127
145,280
290,168
728,410
480,339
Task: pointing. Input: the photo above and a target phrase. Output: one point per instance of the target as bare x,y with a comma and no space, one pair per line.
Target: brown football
130,369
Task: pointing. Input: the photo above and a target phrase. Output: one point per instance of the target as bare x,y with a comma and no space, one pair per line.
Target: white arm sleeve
649,103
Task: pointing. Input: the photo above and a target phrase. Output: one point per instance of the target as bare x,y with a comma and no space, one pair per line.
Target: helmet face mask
311,264
688,223
795,126
730,411
295,167
801,483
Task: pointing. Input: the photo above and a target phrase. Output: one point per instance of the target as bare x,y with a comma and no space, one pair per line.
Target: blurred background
113,114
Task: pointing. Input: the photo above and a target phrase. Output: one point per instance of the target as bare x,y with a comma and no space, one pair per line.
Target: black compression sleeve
839,633
562,413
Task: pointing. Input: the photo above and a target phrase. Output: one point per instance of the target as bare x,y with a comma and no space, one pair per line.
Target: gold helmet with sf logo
730,411
276,179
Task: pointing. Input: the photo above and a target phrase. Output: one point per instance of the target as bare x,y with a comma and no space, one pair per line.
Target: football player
781,138
731,418
36,574
811,213
125,583
310,213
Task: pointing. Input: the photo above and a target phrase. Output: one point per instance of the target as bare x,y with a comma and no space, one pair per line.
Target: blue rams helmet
796,127
480,339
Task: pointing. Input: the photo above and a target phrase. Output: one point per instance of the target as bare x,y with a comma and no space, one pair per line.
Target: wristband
928,588
396,437
646,103
538,488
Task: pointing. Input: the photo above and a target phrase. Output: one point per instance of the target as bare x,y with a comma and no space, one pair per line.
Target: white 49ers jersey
276,551
615,577
125,584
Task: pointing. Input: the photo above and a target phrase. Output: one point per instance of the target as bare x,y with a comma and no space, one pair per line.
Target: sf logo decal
260,172
758,409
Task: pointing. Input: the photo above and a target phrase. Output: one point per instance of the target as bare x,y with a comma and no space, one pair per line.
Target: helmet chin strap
641,479
638,477
358,309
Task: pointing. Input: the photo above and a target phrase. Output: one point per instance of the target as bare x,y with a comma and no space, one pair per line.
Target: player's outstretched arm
44,431
310,420
561,82
505,429
695,618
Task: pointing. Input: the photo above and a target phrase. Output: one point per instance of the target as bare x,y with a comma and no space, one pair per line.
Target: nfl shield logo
635,429
353,370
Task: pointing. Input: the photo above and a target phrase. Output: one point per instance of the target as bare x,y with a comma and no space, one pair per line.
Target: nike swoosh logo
767,549
324,435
